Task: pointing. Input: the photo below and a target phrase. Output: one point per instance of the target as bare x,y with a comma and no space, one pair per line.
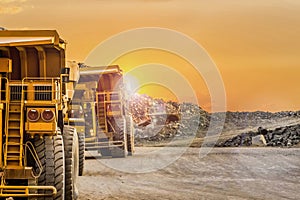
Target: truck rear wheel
72,162
129,135
81,138
50,152
119,135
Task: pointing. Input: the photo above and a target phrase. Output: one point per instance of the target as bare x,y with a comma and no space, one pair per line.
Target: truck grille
43,93
16,92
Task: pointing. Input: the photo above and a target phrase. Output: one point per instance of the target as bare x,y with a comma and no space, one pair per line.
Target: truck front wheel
50,151
71,161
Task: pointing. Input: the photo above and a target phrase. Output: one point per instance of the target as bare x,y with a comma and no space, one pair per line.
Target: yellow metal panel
25,41
5,65
113,113
42,61
23,61
28,37
100,70
35,126
54,61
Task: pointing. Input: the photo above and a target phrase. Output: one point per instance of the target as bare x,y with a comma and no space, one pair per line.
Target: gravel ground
224,173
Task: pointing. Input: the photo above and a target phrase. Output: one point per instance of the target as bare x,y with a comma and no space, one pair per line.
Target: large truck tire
119,135
71,162
130,135
50,151
81,138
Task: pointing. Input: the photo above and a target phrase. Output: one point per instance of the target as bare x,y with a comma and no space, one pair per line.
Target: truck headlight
33,115
91,132
47,115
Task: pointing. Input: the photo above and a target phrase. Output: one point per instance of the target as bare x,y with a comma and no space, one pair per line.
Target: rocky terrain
157,121
160,171
224,173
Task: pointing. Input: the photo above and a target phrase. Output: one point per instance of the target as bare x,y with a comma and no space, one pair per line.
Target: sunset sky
254,44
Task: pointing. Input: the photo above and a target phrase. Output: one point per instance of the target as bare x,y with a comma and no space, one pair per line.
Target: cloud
12,1
11,7
10,10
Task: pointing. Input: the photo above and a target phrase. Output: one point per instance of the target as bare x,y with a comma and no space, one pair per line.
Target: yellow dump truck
108,124
39,150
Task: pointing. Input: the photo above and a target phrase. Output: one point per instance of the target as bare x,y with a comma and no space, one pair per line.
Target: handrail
26,189
7,94
110,92
105,94
55,90
2,148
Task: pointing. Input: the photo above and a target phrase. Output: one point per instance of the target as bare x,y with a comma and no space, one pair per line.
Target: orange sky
255,44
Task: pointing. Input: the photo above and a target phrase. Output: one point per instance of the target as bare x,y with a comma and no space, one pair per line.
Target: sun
164,75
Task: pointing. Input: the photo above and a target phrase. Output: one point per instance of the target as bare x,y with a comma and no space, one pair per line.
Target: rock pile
244,139
284,136
156,120
139,106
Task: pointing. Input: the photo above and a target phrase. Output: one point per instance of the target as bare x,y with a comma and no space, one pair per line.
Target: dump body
101,94
33,99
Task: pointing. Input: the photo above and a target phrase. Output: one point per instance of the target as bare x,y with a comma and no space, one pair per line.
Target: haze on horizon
255,44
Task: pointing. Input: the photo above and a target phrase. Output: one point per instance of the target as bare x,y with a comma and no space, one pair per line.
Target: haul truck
39,150
108,124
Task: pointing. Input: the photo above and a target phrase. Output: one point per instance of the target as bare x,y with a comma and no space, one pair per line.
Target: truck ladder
101,112
13,136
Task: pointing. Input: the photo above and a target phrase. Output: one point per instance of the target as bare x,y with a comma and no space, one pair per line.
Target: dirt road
224,173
